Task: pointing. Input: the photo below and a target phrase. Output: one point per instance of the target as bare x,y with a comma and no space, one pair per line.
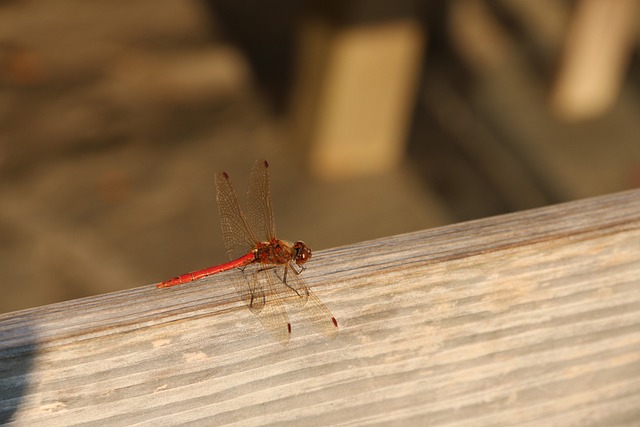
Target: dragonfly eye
303,252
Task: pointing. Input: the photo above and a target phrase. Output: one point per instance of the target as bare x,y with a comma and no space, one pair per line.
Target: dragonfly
271,268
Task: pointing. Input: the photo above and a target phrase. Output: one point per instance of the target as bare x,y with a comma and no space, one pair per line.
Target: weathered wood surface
525,319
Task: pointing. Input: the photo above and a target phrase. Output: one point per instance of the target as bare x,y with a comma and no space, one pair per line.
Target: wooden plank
530,318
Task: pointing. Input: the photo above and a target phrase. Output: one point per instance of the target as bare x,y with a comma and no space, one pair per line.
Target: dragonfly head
303,252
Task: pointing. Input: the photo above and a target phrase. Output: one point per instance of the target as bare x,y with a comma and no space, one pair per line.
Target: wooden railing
531,318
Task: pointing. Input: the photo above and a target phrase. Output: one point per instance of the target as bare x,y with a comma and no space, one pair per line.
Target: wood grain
530,318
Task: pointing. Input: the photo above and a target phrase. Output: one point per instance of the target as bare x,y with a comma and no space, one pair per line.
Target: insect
271,267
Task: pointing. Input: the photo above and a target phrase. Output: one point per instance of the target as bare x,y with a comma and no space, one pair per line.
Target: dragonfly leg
260,303
284,278
297,268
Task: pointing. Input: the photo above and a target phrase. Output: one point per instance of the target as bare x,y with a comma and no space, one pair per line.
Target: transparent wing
272,314
236,234
265,292
319,316
290,285
250,289
259,210
313,310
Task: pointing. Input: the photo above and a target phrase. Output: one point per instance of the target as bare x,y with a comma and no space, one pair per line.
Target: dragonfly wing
251,290
259,209
295,291
272,315
290,285
236,234
319,316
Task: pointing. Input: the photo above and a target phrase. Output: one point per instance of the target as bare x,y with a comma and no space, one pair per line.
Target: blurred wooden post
355,92
595,56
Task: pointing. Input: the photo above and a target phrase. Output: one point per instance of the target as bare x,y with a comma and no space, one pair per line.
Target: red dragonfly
271,266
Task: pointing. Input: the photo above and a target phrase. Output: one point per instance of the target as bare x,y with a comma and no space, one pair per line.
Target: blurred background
377,117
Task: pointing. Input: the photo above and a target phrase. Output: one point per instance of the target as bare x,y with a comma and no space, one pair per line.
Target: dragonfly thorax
281,252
